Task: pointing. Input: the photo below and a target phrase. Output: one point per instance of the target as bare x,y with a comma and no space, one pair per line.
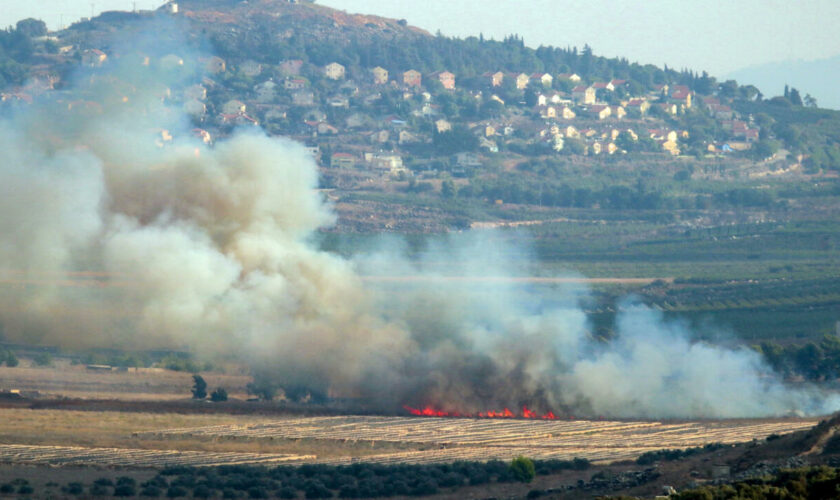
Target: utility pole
92,9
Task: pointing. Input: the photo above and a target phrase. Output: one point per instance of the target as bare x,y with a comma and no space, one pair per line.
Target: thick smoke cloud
113,236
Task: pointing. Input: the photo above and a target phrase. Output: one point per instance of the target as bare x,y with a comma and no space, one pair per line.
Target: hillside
607,167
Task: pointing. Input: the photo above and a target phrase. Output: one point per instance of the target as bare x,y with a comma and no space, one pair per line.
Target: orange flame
429,411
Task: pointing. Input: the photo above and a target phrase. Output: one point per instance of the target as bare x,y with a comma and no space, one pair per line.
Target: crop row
72,455
499,433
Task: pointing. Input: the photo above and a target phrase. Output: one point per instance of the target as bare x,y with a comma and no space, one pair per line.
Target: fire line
526,413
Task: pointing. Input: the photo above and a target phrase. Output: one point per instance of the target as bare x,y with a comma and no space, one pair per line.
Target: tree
31,27
199,388
219,395
522,469
262,387
453,141
763,149
794,97
42,359
9,358
447,189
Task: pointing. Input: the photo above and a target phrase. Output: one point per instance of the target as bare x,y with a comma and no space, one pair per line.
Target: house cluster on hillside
371,119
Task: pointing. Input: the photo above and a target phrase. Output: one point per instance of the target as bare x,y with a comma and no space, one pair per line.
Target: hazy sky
716,35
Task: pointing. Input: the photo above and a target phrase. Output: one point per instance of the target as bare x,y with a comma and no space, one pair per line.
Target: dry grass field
133,430
76,381
59,437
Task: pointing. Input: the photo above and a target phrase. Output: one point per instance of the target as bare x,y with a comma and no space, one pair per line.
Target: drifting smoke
210,249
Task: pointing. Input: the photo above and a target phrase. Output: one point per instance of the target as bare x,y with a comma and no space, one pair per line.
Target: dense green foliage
668,455
17,50
8,358
219,395
805,484
522,469
813,361
199,388
318,481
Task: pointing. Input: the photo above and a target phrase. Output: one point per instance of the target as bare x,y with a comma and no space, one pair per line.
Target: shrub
400,488
125,480
219,395
125,490
202,491
231,493
287,492
42,359
348,491
257,492
73,488
100,490
158,481
151,491
11,360
425,487
451,479
580,464
176,491
522,469
479,477
7,488
316,489
25,489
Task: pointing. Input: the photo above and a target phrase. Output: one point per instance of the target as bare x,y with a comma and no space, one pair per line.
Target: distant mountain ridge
819,78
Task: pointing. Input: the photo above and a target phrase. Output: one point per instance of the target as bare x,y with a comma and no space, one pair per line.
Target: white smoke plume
112,236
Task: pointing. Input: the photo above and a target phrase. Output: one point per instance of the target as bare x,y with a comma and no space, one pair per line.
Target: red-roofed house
291,67
93,58
446,79
666,107
570,77
566,113
721,111
603,86
238,119
412,78
640,105
583,94
494,79
599,111
521,80
543,79
681,96
342,160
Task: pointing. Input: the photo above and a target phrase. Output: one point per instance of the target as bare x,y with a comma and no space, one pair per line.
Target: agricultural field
66,380
60,437
751,275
